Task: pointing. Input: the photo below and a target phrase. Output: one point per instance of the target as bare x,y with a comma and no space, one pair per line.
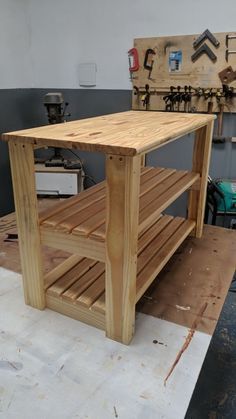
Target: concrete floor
54,367
214,396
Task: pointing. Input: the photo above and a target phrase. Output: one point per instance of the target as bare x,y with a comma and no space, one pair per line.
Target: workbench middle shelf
78,223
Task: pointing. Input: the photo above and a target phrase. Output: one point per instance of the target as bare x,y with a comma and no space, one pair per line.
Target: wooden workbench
116,231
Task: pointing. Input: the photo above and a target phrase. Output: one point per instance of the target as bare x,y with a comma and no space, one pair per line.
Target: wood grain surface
126,133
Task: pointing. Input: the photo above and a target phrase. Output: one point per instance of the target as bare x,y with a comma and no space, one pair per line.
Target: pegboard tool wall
202,73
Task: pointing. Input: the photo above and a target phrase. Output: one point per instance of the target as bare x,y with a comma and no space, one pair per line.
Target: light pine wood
76,200
201,73
143,160
201,162
74,244
67,281
85,283
93,292
127,133
171,242
60,270
22,169
122,175
77,312
99,304
118,237
159,187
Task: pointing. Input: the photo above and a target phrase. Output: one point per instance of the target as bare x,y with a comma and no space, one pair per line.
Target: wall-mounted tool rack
199,71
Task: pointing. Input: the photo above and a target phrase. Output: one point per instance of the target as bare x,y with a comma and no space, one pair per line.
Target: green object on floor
228,204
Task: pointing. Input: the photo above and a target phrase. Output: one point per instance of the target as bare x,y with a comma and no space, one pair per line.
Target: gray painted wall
21,108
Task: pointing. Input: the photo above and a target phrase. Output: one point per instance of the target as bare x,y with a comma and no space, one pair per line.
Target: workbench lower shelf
77,287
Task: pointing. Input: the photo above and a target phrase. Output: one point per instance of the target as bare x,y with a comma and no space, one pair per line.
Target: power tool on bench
226,202
221,198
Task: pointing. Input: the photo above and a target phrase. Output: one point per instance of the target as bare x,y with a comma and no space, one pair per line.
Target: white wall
15,65
43,42
68,32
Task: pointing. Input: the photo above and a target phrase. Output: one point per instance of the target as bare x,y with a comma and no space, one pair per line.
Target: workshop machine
221,199
228,201
56,114
58,175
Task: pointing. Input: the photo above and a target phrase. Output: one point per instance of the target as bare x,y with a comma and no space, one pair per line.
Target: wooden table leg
201,162
143,160
123,182
23,178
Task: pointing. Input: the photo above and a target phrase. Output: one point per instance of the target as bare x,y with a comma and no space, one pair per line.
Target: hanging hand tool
208,94
206,35
218,94
178,97
136,90
170,99
185,97
219,138
227,38
227,53
227,75
145,98
133,61
228,92
148,61
204,49
189,98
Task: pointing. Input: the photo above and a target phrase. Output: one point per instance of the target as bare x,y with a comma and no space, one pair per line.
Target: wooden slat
126,133
75,212
153,231
99,304
144,240
60,270
95,222
22,170
91,224
68,214
84,282
71,276
158,192
99,233
158,242
166,183
75,220
158,177
149,213
158,261
149,173
91,294
69,202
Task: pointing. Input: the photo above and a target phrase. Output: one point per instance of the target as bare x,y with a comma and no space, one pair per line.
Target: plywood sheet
197,276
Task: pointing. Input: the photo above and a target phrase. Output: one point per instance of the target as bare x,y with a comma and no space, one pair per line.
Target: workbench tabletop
125,133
